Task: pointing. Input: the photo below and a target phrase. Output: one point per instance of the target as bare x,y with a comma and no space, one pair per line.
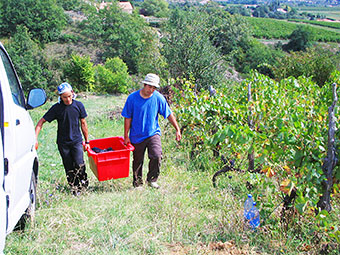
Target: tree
43,18
274,5
119,34
261,11
239,10
30,64
150,59
300,39
189,50
227,32
157,8
69,5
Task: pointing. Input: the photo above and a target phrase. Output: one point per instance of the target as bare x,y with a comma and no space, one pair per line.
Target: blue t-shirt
68,117
144,115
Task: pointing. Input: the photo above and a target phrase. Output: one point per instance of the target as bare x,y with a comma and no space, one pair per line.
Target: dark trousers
73,161
154,146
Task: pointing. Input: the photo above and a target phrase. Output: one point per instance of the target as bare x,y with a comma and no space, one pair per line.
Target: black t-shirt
68,117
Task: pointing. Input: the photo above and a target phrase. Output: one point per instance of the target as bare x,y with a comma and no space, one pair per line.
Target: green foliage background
204,43
44,18
157,8
31,65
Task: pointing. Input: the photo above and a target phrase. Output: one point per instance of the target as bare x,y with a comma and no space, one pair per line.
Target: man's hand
38,127
178,135
173,121
126,140
87,147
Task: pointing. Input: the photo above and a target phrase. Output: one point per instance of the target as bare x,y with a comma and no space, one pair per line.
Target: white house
126,6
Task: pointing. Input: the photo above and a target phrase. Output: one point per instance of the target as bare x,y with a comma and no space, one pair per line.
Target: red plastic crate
111,164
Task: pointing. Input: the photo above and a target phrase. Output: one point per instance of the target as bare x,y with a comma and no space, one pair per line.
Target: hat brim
151,84
65,90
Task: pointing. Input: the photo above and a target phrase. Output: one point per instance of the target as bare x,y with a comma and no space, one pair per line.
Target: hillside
256,111
185,216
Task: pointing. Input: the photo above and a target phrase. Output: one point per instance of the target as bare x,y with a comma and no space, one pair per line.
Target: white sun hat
152,80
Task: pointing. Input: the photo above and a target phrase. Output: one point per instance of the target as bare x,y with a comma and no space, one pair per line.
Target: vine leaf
268,171
287,186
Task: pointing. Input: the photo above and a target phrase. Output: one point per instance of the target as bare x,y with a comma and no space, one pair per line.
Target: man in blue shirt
70,115
142,130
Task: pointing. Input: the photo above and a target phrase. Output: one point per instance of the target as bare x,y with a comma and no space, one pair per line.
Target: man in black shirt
70,115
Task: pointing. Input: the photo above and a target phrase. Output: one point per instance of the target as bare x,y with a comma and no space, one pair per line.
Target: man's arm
38,127
85,131
127,125
173,121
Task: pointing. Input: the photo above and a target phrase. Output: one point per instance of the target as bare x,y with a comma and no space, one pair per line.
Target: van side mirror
36,98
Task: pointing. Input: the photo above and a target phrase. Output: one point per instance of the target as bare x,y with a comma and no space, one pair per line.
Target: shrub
113,77
257,56
300,39
80,73
318,63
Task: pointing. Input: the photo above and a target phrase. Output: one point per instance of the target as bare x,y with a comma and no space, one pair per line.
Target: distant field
335,25
329,12
265,28
271,28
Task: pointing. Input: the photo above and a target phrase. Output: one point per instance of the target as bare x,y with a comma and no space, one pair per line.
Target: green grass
185,216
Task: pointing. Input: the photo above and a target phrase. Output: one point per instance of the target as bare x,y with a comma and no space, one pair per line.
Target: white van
19,166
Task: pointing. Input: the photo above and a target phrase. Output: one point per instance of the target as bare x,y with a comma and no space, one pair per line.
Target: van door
3,202
19,141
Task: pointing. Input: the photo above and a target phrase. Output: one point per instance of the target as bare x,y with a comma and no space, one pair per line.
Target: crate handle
130,147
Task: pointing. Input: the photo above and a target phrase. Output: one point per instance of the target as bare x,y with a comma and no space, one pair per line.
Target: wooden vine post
331,159
251,165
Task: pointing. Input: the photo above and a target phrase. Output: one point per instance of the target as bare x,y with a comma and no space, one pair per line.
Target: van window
12,80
